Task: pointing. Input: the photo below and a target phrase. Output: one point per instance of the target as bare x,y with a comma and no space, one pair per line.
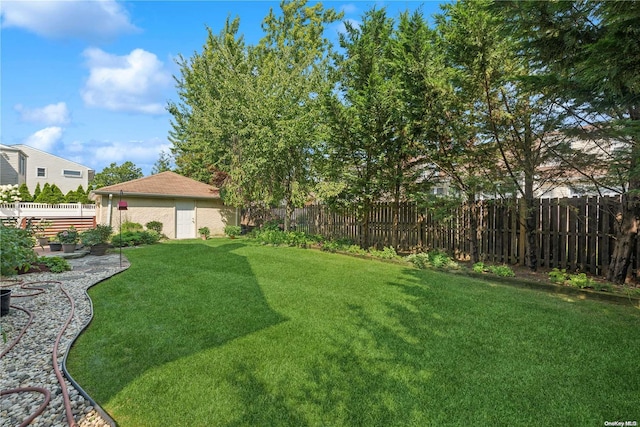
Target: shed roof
164,184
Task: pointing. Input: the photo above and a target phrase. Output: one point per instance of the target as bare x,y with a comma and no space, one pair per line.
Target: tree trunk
529,220
473,228
626,235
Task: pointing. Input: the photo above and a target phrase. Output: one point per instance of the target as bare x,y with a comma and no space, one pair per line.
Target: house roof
164,184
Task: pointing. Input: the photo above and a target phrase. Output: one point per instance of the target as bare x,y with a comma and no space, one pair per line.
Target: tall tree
361,117
258,107
586,56
516,120
114,174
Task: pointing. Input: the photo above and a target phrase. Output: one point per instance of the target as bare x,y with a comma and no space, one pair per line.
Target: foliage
130,226
204,231
155,226
163,164
479,267
9,193
135,238
558,276
232,230
114,174
501,270
273,224
98,235
386,253
262,151
55,264
25,196
50,194
16,250
580,280
68,236
279,237
432,259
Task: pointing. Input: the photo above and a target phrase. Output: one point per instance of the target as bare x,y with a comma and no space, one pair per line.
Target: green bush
558,276
94,236
502,270
135,238
580,281
479,267
130,226
272,225
355,249
55,264
419,260
432,259
330,246
154,226
386,253
232,230
16,250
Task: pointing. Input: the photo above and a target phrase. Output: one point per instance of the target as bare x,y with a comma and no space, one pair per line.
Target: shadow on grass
174,301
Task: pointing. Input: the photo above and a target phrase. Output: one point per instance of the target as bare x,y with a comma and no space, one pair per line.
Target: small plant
155,226
479,267
330,246
355,249
502,270
68,236
580,281
204,232
16,250
96,236
55,264
232,230
420,260
558,276
386,253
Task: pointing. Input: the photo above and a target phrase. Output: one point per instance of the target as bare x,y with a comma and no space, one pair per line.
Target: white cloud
135,82
45,139
52,114
349,8
92,20
100,154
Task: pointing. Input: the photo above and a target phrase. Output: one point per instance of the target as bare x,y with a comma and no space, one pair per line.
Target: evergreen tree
25,196
36,192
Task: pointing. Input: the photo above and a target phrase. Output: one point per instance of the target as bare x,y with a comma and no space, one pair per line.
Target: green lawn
230,333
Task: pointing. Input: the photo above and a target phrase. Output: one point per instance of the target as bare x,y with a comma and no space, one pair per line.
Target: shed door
185,220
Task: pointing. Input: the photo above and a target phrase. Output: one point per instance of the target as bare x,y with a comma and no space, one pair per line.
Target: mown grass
235,334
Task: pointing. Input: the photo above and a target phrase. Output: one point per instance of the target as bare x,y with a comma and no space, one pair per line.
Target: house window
41,172
22,165
72,173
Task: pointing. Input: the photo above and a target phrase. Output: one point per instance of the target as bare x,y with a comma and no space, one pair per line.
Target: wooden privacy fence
573,233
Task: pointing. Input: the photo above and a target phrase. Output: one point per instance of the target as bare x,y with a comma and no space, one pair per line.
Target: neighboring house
39,167
181,204
13,166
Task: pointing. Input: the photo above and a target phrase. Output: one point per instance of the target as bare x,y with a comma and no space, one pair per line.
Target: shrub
558,276
204,231
155,226
232,230
98,235
273,225
580,281
330,246
420,260
130,226
135,238
432,259
69,236
16,250
386,253
479,267
355,249
55,264
502,270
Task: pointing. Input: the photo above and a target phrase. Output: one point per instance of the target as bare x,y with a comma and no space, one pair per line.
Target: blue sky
89,80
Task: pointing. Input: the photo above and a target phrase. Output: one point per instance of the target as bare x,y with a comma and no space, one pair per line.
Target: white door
185,220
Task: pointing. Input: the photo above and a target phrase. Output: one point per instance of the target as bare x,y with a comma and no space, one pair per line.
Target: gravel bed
29,363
